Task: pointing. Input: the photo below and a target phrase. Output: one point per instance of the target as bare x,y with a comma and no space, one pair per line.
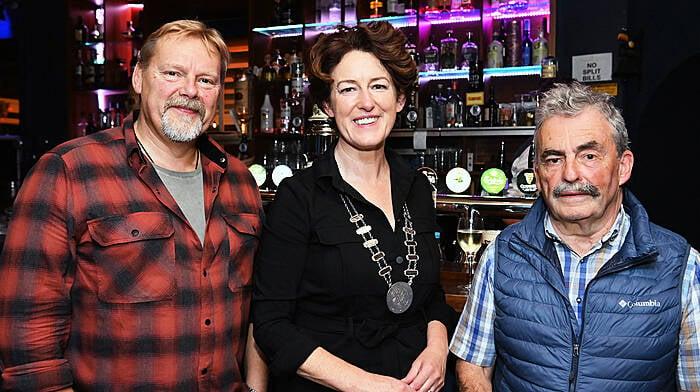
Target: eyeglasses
378,89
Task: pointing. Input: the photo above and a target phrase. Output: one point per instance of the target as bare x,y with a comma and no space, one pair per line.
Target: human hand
427,374
380,383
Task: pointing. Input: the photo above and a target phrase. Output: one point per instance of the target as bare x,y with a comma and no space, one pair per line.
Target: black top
316,285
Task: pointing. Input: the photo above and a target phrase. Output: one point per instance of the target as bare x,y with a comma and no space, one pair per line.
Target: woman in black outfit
347,279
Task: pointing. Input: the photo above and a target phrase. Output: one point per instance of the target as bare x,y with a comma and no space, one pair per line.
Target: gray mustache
587,188
182,102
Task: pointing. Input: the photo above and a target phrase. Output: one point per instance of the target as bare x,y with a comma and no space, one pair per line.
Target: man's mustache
587,188
183,102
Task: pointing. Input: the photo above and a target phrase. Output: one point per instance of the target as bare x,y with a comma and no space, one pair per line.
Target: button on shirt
106,285
473,339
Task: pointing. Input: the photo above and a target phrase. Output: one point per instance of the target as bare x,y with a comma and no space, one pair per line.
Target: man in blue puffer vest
585,293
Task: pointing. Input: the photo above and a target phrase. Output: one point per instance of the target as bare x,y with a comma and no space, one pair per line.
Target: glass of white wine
470,235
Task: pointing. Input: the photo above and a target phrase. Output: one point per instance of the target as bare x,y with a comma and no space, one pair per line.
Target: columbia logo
649,303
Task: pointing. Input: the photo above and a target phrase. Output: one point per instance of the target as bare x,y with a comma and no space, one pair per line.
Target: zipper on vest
574,364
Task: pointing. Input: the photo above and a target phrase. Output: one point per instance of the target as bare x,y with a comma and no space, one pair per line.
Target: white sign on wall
592,67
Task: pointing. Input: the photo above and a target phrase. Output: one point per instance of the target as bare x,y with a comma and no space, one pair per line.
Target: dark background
656,92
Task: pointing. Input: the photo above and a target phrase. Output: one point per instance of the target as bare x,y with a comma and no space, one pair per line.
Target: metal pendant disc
399,297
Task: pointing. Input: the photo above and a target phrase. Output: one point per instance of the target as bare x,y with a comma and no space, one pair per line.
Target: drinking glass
470,234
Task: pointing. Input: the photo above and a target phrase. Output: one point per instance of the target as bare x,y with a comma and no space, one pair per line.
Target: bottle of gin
496,50
540,47
267,116
448,51
470,51
430,56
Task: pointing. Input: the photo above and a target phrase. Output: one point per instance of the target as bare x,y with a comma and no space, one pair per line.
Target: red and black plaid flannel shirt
106,286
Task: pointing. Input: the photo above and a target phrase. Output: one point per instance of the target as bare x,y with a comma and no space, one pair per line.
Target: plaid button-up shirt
105,284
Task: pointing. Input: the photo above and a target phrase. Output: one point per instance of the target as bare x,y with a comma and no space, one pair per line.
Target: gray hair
573,98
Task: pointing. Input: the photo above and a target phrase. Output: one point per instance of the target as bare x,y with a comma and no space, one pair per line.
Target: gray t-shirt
187,188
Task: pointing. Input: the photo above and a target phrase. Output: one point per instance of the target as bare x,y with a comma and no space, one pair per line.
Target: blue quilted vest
628,338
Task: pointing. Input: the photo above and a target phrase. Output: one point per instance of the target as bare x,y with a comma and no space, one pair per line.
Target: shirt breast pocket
244,237
135,257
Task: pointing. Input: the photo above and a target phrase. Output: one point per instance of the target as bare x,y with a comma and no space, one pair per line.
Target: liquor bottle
459,106
409,7
276,12
267,116
527,44
411,48
278,62
91,126
448,51
285,112
513,44
430,56
439,106
334,12
129,31
503,165
98,32
495,50
80,31
470,51
391,7
540,47
296,112
491,110
89,70
475,95
134,60
410,112
450,108
286,12
376,9
268,74
241,103
350,11
78,79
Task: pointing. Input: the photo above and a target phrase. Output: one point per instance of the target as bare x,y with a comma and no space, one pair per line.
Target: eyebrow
353,81
591,145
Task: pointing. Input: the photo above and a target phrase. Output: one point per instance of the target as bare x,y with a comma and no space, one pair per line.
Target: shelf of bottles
106,39
465,131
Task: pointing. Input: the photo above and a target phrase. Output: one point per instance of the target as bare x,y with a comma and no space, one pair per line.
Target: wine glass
470,234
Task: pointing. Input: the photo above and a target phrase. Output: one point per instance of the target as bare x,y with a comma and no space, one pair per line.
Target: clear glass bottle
267,116
448,51
285,113
430,56
494,56
296,111
470,51
411,47
540,47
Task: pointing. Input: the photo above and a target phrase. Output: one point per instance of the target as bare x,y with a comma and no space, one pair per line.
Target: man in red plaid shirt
127,264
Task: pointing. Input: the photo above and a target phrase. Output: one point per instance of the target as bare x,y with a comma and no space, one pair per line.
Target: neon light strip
488,72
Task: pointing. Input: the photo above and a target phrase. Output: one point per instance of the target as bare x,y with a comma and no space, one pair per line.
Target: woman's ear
327,109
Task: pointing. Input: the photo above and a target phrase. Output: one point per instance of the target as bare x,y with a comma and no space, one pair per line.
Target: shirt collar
402,175
206,145
617,232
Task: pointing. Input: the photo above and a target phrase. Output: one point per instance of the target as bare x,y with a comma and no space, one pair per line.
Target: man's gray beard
182,130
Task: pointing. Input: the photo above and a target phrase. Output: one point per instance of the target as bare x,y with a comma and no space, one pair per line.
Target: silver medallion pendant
399,297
